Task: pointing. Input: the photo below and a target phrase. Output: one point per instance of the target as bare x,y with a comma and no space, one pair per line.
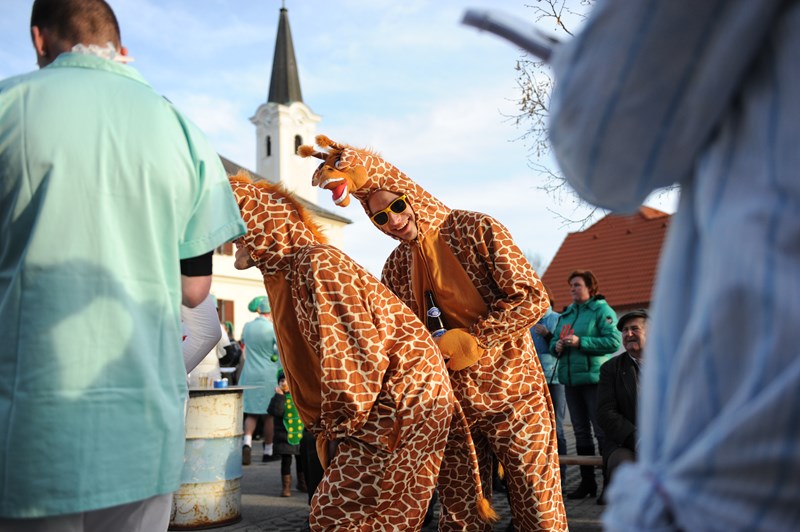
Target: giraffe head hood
277,224
347,171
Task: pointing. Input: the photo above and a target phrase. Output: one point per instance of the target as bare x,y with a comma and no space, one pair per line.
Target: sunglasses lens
398,205
380,218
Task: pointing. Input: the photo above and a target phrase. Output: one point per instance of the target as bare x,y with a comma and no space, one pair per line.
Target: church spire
284,87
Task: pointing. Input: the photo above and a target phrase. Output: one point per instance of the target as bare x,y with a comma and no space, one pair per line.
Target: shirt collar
73,60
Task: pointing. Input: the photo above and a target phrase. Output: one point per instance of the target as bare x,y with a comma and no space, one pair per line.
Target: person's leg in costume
456,482
528,449
371,489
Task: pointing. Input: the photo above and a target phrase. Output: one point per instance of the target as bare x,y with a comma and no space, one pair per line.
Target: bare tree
535,83
536,260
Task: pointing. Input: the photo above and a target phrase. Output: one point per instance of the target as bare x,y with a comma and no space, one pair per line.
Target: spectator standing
618,392
261,363
104,189
704,95
584,339
288,433
542,333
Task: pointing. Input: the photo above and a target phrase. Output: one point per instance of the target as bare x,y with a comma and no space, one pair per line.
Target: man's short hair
638,313
77,21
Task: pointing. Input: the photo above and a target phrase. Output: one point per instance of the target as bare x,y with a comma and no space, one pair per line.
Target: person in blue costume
705,95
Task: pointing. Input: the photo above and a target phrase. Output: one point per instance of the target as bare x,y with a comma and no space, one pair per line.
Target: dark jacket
617,395
276,408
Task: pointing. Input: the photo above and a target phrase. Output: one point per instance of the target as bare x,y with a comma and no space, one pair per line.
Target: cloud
221,120
405,78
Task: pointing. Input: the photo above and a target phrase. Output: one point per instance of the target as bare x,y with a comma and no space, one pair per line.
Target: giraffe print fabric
483,283
362,369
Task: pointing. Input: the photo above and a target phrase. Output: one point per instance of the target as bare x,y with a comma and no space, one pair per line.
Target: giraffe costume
363,371
490,297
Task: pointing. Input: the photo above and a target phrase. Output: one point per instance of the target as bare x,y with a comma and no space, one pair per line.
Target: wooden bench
587,460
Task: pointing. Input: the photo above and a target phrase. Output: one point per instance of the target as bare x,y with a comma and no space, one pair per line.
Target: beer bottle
433,318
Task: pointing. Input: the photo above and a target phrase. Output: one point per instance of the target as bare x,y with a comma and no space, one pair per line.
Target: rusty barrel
210,494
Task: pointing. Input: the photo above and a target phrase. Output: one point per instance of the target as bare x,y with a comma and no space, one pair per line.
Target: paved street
263,510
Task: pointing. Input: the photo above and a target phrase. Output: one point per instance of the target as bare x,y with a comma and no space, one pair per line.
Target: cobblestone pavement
263,510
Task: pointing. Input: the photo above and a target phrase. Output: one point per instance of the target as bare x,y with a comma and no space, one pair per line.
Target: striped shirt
705,94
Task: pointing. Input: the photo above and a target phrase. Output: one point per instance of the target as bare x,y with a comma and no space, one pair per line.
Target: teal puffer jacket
594,322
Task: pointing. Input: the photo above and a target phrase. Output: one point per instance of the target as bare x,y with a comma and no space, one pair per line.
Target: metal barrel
210,494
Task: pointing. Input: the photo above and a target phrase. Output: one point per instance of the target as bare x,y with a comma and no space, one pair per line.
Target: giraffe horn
325,142
309,151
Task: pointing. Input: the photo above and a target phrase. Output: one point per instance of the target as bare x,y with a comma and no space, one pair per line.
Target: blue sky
404,78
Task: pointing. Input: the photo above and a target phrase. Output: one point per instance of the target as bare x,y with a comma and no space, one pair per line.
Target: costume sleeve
215,219
608,339
352,354
615,426
642,88
202,332
395,277
524,299
550,321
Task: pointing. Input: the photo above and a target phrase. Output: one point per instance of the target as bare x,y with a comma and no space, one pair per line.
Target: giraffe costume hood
362,369
490,297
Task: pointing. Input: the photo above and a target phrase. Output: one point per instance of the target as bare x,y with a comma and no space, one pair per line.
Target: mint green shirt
104,187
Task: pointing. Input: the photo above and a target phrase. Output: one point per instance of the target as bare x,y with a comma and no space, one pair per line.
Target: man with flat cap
617,393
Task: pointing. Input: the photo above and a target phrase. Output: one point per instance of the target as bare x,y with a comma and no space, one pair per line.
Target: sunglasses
397,206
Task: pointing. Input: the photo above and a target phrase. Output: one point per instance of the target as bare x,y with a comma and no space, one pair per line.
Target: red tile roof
621,251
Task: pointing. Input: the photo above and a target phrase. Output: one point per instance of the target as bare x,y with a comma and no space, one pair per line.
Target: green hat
263,307
281,375
256,301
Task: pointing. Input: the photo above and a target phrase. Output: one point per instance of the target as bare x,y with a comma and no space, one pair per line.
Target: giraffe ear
309,151
305,150
323,141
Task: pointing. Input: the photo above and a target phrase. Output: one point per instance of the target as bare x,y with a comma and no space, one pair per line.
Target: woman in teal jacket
584,339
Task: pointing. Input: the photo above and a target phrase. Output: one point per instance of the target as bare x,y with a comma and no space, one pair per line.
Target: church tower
284,122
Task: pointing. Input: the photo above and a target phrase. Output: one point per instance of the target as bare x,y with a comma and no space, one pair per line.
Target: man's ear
39,43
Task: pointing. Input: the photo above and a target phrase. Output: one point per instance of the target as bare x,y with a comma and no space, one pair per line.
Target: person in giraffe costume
365,375
490,298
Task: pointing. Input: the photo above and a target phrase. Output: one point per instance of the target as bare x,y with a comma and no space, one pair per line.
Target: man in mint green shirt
106,191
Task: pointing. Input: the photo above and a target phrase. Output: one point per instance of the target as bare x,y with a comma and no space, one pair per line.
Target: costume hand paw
461,348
